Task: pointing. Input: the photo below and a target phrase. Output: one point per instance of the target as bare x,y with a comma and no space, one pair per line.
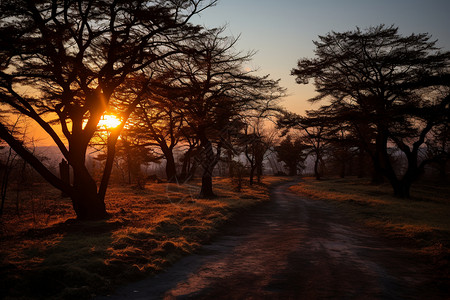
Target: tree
382,79
256,142
61,63
314,127
211,87
157,122
292,153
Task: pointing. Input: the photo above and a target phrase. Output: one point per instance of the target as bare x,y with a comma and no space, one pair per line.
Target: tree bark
207,186
292,170
316,167
252,173
208,163
87,202
171,170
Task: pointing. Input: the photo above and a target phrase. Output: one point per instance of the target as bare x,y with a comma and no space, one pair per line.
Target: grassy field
46,254
422,221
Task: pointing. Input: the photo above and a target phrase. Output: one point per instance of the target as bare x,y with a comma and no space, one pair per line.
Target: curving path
291,248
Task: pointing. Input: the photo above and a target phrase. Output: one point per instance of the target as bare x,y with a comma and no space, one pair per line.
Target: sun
109,122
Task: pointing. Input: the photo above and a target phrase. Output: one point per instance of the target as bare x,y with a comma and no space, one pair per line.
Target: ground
360,242
295,248
46,254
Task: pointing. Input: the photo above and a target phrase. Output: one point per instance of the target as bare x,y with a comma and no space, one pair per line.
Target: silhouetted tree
213,90
292,153
313,130
61,63
256,143
158,123
342,148
383,79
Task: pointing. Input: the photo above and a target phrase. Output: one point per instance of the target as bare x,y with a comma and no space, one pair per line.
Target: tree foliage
212,90
61,64
292,153
396,86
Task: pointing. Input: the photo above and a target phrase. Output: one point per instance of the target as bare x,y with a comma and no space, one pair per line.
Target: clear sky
282,31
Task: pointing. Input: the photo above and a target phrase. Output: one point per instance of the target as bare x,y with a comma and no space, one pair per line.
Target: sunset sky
282,31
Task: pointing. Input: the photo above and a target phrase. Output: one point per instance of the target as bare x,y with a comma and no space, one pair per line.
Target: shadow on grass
69,267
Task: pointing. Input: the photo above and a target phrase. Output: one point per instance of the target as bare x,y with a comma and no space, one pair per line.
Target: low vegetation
423,220
47,254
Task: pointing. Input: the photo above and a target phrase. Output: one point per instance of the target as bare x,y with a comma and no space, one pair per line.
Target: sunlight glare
109,122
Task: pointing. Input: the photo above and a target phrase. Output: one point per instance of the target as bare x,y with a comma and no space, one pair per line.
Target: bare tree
256,143
61,63
213,89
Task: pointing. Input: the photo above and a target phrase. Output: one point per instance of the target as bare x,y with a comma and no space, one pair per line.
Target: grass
46,254
423,220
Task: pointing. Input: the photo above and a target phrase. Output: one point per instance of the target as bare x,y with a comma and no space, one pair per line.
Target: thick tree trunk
208,163
171,170
87,202
207,186
258,174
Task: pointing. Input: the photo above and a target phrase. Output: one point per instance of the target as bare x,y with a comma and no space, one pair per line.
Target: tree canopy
62,62
396,85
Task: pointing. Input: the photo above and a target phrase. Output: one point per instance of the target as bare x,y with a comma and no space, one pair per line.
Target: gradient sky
282,31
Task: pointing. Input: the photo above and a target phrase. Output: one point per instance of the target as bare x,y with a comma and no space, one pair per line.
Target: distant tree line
387,96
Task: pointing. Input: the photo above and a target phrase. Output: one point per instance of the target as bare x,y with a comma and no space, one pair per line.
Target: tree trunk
189,166
316,167
230,163
208,162
377,174
361,167
252,173
207,186
292,170
87,202
402,188
381,163
259,159
186,165
171,170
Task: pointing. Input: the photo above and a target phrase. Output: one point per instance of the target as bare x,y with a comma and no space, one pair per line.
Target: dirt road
292,248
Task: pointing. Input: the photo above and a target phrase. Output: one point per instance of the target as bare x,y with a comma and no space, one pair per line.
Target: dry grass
46,254
423,219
